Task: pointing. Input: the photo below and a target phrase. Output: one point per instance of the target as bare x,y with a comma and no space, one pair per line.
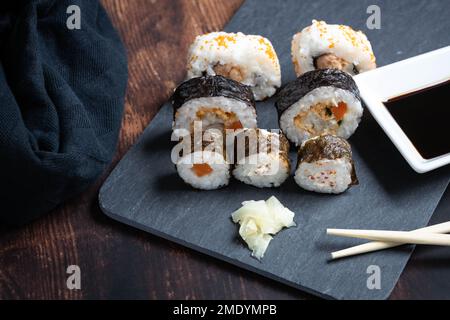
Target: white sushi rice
329,95
262,170
219,177
186,115
342,41
249,59
325,176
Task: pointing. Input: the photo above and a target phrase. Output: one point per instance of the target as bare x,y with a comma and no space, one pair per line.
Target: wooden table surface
117,261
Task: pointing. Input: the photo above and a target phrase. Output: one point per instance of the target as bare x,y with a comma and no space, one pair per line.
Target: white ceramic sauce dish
380,85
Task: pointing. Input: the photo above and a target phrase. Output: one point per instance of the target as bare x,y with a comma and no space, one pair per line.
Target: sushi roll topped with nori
249,59
325,165
319,102
204,165
261,158
332,46
216,102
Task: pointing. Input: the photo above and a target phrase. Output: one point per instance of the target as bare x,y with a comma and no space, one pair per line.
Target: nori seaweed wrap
215,101
203,164
262,158
212,86
319,102
325,164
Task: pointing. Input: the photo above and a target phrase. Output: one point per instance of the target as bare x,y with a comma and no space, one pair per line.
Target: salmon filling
230,71
235,126
330,61
339,111
217,115
202,169
321,118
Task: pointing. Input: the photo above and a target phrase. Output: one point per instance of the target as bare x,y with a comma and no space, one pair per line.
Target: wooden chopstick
378,245
381,245
395,236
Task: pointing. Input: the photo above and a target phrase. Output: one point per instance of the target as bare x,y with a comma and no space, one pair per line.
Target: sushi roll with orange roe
248,59
330,46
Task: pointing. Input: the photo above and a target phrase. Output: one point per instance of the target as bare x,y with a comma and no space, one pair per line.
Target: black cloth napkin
61,102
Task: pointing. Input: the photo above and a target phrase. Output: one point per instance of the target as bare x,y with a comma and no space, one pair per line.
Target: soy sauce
424,116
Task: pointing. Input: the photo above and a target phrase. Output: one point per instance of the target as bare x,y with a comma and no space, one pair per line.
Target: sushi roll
248,59
216,102
262,158
205,167
319,102
325,165
330,46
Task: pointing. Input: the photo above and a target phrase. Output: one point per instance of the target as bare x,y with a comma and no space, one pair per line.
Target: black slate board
144,190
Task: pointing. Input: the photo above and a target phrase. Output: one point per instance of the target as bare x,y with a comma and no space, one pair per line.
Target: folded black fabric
61,102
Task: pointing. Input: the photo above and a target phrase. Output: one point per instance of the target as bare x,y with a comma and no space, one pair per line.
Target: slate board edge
213,254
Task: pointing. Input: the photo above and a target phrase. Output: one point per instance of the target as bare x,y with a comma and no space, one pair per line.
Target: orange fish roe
268,49
224,40
321,27
350,35
270,53
332,43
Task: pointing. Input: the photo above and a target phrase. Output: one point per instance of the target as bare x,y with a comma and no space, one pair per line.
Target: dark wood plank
117,261
427,273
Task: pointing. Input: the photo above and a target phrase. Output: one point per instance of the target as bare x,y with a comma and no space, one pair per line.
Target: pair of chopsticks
433,235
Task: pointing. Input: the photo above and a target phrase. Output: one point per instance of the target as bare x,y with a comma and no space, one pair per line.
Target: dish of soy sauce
424,116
